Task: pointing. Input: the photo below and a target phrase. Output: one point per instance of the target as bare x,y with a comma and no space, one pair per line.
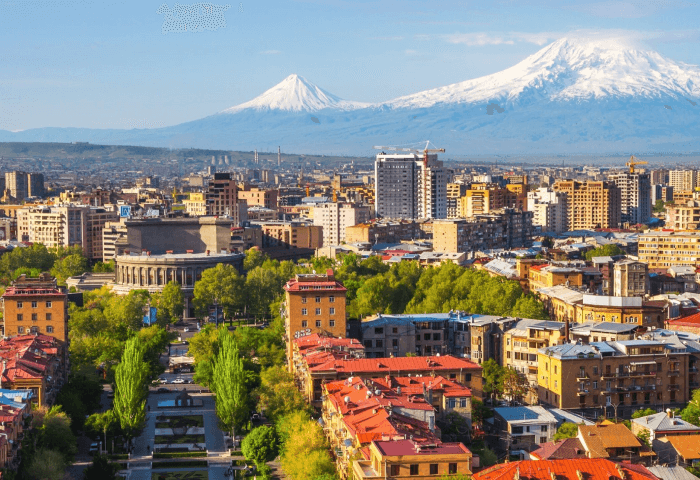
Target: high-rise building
409,186
482,198
659,176
663,249
591,205
222,197
635,196
335,217
17,184
682,180
454,192
661,192
35,182
548,209
630,279
507,228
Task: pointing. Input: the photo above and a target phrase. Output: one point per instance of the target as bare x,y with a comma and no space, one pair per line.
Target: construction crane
425,151
633,161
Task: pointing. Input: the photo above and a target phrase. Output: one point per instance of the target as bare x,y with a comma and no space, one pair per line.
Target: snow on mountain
296,94
571,70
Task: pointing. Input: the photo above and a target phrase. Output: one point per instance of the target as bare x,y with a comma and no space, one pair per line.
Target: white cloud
270,52
411,52
477,39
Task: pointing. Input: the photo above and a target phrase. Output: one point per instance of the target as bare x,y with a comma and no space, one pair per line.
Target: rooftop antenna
279,157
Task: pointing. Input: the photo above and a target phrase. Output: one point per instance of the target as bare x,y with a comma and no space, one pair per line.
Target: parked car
178,380
188,380
94,449
186,329
162,390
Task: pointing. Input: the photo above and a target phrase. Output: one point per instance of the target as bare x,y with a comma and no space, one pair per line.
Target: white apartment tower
335,217
682,180
408,186
548,209
635,196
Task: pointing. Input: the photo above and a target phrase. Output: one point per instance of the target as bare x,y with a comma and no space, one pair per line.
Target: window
48,304
426,336
318,323
543,428
20,317
395,470
433,468
304,311
318,311
452,468
34,304
35,317
49,329
35,329
436,336
331,311
20,329
378,331
414,469
318,299
19,304
332,300
331,323
379,343
48,316
395,343
395,330
368,343
303,299
516,430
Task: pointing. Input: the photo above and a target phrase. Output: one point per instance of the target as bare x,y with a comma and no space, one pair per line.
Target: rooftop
397,365
409,447
590,468
527,415
665,423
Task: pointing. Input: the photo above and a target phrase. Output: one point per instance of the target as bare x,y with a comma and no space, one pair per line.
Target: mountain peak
296,94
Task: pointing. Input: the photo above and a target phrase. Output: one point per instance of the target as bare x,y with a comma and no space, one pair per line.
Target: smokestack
279,157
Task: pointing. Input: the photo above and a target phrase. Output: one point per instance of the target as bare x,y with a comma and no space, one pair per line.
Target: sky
145,64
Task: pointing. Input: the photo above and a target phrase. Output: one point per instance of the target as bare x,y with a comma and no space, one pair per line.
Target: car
94,449
255,417
186,329
178,380
162,390
162,380
189,380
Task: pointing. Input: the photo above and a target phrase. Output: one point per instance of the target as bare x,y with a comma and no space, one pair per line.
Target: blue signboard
125,210
216,314
151,317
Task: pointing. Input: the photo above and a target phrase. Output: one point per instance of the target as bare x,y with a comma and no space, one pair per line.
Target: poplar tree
130,394
228,382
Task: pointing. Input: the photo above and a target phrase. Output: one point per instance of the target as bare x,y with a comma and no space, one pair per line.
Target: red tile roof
591,468
567,448
397,365
324,341
692,320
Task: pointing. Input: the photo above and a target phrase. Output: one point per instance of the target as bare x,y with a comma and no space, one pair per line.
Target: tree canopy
609,250
566,430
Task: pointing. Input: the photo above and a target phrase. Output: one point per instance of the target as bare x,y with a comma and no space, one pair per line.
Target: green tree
480,412
304,452
69,266
130,388
35,256
222,284
643,412
260,445
492,374
488,457
103,267
262,286
203,346
102,423
278,395
691,413
659,206
170,302
229,384
644,437
566,430
56,434
609,250
513,385
253,258
101,469
46,464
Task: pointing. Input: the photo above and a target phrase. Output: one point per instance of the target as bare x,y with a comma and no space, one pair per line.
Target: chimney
669,412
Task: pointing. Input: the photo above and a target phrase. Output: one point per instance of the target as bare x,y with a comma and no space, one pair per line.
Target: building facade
591,205
663,249
635,196
549,210
335,217
508,228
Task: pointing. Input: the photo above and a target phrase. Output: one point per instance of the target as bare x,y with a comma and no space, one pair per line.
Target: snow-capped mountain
571,70
573,96
296,94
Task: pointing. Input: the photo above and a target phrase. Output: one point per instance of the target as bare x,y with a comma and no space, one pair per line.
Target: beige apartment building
258,197
336,217
196,205
279,234
506,228
481,198
661,249
591,205
684,216
630,279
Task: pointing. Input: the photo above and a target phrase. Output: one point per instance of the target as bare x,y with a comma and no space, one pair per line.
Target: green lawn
198,475
184,421
172,439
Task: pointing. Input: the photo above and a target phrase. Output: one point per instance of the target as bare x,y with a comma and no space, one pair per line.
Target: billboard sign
151,317
216,314
125,211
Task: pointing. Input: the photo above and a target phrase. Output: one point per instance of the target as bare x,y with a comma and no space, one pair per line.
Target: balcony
674,386
582,376
582,392
674,373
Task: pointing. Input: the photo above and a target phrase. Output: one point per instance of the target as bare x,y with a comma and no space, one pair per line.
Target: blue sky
107,64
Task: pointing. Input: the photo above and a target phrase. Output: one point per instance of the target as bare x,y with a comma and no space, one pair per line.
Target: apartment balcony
674,373
694,384
583,376
673,387
582,392
693,369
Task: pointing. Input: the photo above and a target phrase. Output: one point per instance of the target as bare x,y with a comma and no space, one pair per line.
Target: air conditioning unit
627,395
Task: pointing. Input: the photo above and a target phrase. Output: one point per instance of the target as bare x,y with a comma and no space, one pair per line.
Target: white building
335,217
548,209
635,196
407,186
683,180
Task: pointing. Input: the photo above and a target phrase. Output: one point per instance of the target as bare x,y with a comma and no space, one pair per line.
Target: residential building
545,276
34,306
659,177
663,249
549,210
522,342
585,468
481,199
388,232
289,235
505,229
410,186
683,216
663,424
593,332
335,217
523,427
479,337
635,196
682,180
630,279
35,184
569,448
591,205
222,198
398,335
614,378
455,191
314,303
661,192
393,460
609,440
17,185
682,450
111,233
259,197
196,204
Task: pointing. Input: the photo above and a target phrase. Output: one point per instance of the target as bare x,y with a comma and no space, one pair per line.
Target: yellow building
481,198
196,205
544,276
591,205
669,249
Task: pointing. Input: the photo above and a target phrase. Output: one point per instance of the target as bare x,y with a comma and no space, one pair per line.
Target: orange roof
397,365
687,446
323,341
597,439
691,320
591,468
